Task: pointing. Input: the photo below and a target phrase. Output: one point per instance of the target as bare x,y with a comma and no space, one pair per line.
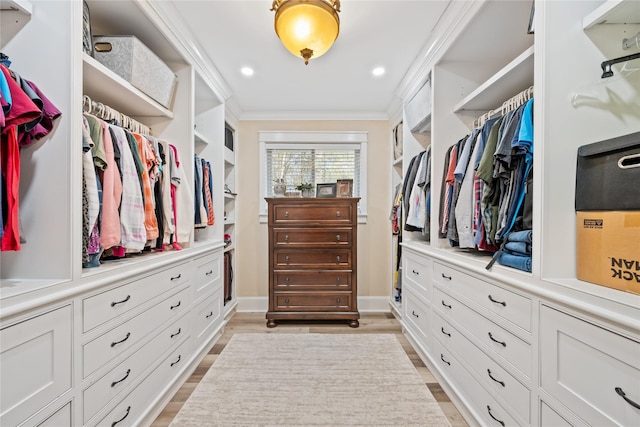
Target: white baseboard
365,304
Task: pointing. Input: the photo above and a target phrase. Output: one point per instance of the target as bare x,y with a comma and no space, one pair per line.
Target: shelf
230,248
229,222
200,138
23,6
229,157
228,196
103,85
398,162
509,81
614,12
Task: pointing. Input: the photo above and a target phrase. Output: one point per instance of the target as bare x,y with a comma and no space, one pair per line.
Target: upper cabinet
51,171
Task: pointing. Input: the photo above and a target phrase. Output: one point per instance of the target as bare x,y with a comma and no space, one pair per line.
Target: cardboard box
608,249
136,63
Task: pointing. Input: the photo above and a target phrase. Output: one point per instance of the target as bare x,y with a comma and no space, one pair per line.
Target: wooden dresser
312,259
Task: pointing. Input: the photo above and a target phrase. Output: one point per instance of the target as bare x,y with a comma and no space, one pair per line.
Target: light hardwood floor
370,323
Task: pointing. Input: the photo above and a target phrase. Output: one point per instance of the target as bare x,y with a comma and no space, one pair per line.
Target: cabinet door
35,364
593,371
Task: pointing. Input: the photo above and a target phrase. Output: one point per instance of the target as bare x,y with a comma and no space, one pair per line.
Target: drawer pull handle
338,213
286,214
445,304
493,378
286,258
286,279
444,332
176,306
208,273
121,379
286,300
177,361
115,343
176,277
338,258
337,300
442,358
286,237
500,421
114,303
209,315
177,333
338,237
502,303
444,276
417,273
629,401
504,344
414,313
113,424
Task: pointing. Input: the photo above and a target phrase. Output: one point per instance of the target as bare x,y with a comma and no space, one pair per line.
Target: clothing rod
107,113
509,105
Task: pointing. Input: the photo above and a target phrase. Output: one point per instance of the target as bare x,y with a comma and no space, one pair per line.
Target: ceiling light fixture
307,27
247,71
378,71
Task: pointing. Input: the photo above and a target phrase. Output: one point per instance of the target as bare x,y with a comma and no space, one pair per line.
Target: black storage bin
608,175
228,137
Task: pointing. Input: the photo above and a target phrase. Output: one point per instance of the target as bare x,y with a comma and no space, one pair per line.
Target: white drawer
583,366
496,339
549,417
492,376
35,364
417,314
208,274
208,316
509,305
101,392
485,405
101,350
137,403
101,308
417,272
60,418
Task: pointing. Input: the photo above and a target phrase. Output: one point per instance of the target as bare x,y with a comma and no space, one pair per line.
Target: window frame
313,140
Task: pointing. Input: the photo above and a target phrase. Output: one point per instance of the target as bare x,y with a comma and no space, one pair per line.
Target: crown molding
444,35
166,16
313,115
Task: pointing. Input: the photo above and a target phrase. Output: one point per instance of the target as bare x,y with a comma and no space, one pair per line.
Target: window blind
316,166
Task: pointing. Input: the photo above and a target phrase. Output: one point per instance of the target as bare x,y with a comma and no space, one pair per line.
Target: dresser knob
286,300
337,300
338,213
286,258
338,237
338,279
286,237
286,214
286,279
338,258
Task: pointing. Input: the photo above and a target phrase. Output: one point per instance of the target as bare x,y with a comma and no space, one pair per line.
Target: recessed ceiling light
378,71
247,71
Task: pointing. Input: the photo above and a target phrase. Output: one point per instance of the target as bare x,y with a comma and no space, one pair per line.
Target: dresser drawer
417,272
133,407
303,280
102,391
35,364
208,316
587,368
492,376
509,305
334,213
492,413
208,274
549,417
497,339
417,313
101,308
62,417
99,351
312,302
312,237
316,259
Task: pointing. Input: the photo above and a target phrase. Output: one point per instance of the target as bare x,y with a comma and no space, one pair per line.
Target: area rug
311,380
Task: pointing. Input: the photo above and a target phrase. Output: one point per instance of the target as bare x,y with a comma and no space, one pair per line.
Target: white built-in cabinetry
106,345
511,347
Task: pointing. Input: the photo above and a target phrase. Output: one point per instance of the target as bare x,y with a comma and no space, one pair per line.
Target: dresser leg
271,323
354,323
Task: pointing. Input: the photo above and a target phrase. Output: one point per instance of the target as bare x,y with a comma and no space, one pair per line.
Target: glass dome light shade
307,28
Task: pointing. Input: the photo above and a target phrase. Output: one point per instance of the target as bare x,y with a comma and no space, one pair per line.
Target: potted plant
306,188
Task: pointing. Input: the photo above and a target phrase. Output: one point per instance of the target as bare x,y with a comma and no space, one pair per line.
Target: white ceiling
238,33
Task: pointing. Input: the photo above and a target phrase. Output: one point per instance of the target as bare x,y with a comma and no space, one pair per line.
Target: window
294,158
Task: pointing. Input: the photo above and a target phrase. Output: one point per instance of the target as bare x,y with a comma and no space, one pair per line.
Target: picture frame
344,188
325,190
